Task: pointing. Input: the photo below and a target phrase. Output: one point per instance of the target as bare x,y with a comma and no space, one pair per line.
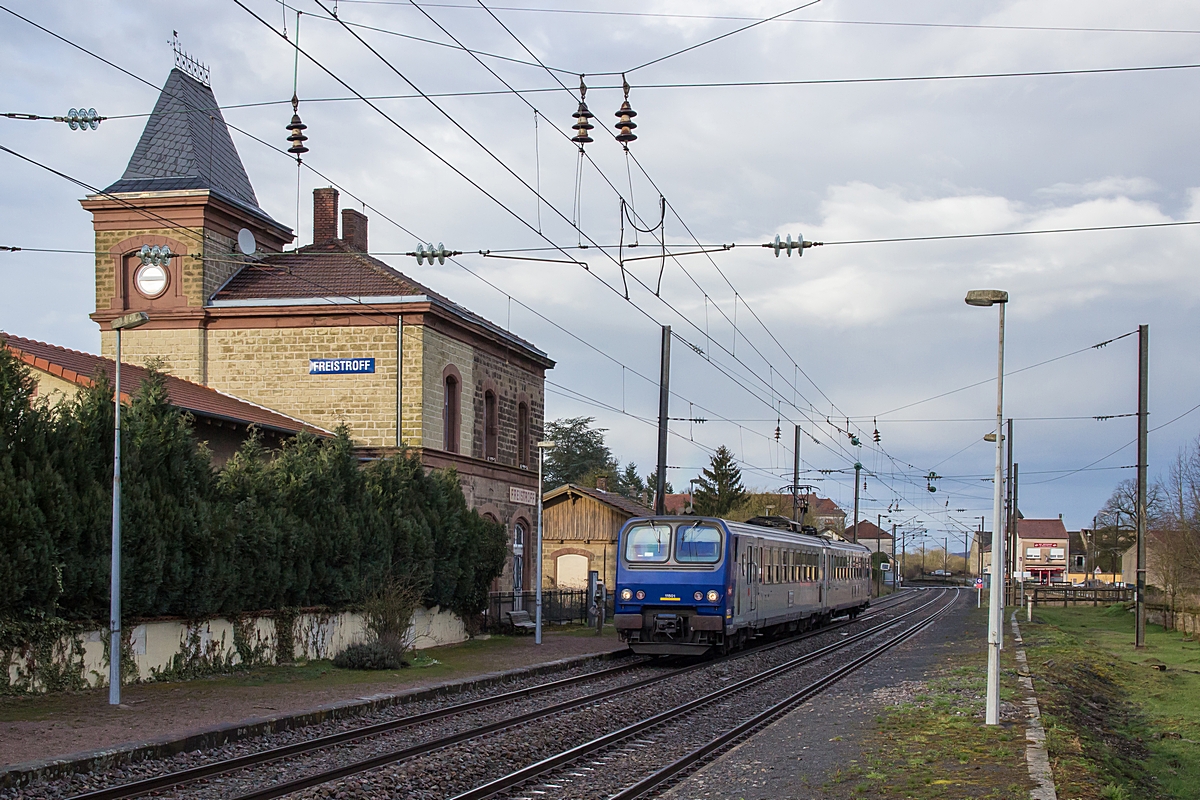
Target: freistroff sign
341,366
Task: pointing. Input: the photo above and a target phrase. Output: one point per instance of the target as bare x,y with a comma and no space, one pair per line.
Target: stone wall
182,350
269,366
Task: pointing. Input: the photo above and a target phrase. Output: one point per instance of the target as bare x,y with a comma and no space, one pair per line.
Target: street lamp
995,297
542,446
127,322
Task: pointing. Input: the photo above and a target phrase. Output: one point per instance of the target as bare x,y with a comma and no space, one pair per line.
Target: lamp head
986,297
134,320
546,444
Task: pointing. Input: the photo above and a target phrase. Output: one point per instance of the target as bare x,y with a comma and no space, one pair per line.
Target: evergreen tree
719,488
630,483
579,453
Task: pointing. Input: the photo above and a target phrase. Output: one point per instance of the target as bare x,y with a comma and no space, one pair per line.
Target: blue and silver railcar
686,585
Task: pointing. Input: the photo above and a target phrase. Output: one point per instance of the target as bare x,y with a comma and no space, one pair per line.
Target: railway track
213,778
598,768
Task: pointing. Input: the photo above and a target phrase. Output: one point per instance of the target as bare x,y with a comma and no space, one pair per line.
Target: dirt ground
33,728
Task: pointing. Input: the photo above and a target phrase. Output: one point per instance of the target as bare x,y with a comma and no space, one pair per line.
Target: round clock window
151,280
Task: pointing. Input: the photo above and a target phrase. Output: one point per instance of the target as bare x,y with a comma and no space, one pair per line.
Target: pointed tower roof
186,145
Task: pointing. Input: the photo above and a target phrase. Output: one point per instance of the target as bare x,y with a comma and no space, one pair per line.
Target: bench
520,620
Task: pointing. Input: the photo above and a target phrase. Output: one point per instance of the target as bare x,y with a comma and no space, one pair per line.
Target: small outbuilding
580,527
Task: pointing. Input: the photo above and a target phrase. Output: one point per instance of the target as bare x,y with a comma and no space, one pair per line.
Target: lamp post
542,446
996,297
127,322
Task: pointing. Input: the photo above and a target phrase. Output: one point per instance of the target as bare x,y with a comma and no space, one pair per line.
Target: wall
584,526
210,644
438,351
182,350
269,366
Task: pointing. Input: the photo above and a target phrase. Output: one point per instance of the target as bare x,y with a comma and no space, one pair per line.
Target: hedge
309,525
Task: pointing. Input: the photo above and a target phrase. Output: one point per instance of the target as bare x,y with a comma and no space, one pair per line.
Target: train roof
761,531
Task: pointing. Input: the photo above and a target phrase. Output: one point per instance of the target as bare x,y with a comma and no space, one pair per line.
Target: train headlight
713,595
698,595
641,595
626,594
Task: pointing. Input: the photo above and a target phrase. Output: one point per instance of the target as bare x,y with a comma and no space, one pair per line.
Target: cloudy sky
857,333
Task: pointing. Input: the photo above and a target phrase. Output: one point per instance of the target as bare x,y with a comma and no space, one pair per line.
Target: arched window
491,426
523,435
451,414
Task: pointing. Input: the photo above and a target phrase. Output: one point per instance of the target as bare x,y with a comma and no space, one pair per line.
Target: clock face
151,280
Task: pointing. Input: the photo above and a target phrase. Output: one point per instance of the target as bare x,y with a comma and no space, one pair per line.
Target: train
690,585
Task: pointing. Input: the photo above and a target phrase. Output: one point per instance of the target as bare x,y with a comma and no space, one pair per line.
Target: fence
559,607
1078,595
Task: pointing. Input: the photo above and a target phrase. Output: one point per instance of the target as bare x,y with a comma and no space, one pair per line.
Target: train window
697,544
647,544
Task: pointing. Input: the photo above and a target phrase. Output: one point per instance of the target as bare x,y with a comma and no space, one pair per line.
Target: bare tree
1173,549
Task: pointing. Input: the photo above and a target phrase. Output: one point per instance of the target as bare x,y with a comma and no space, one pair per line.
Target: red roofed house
221,421
1042,549
871,535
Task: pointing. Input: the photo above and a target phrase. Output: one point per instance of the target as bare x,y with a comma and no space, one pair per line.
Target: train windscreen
647,544
697,544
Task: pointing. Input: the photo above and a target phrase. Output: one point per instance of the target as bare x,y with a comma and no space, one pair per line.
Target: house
221,421
1094,556
325,333
579,534
872,536
1042,546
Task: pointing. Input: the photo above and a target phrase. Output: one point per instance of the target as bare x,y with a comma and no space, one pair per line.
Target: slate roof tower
185,188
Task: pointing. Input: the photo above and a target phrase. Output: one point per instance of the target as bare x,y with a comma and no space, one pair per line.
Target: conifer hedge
306,526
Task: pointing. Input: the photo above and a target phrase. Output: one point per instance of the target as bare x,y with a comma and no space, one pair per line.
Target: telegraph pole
1143,391
664,397
893,556
857,478
1010,525
796,478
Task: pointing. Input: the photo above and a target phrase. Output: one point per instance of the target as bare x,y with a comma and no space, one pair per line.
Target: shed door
572,571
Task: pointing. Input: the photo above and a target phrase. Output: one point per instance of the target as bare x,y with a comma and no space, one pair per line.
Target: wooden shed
580,527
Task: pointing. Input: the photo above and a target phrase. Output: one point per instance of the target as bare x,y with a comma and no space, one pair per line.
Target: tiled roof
1041,529
331,269
824,507
79,368
867,530
676,503
336,272
186,145
618,501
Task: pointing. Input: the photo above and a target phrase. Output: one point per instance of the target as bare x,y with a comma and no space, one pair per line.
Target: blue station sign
341,366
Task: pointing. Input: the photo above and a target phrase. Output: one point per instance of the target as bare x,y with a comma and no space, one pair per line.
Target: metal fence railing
559,606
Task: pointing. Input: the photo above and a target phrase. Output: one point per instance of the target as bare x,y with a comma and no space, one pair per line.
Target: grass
935,745
1117,726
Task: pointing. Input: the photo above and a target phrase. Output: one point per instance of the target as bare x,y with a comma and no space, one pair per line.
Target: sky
847,339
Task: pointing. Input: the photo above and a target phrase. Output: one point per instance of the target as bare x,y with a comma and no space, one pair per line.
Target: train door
754,568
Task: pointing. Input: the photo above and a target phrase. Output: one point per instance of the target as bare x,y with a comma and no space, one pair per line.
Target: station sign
341,366
524,496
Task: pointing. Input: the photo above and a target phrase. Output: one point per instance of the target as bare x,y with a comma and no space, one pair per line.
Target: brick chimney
325,208
354,230
602,483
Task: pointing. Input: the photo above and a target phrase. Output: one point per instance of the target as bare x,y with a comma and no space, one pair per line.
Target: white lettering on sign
341,366
524,496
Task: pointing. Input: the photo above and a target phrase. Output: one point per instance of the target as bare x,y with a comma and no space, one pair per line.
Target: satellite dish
246,242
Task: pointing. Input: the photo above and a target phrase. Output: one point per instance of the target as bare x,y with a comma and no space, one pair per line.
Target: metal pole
857,474
664,396
1143,396
996,598
1016,520
1010,525
796,478
893,556
114,613
537,631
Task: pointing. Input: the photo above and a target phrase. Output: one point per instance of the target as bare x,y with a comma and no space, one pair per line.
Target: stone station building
325,333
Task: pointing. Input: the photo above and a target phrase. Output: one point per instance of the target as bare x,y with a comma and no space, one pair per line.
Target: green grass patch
935,744
1120,722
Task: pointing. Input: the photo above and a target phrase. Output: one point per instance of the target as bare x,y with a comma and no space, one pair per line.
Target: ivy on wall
309,525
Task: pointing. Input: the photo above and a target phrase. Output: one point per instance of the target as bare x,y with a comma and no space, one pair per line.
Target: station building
323,333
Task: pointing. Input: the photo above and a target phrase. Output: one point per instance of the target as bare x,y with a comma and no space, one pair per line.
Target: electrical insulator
876,436
79,119
777,432
625,116
296,127
427,252
159,256
788,245
582,115
854,441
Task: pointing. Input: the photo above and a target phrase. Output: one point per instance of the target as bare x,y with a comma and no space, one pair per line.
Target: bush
370,655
